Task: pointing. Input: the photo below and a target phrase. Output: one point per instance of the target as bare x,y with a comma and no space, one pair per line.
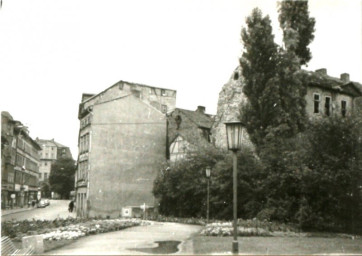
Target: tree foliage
273,84
313,180
61,178
298,28
182,188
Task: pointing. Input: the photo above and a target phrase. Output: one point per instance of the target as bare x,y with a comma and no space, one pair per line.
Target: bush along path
58,232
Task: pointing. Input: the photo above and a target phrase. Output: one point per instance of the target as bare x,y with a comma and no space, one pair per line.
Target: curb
22,210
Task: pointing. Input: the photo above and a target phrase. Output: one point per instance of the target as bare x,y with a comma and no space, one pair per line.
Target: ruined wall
231,98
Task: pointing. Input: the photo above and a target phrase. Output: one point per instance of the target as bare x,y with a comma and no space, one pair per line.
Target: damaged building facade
326,96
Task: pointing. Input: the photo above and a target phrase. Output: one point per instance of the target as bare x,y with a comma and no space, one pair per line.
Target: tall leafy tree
61,178
297,25
258,64
273,83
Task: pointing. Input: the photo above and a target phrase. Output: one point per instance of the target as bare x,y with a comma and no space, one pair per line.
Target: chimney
321,71
200,109
345,77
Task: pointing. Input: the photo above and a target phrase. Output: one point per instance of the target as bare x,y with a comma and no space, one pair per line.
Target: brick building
19,163
122,143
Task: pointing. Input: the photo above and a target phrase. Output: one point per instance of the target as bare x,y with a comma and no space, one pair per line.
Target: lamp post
234,135
208,173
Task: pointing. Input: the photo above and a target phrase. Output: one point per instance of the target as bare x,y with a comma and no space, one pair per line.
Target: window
344,108
11,177
45,176
45,163
316,103
327,106
39,175
163,92
164,108
178,120
236,76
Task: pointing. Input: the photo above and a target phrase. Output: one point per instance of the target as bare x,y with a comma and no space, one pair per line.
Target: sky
53,51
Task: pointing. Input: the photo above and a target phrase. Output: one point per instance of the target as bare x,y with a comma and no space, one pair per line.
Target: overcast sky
53,51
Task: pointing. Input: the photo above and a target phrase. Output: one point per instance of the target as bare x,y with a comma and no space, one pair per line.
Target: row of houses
25,162
129,130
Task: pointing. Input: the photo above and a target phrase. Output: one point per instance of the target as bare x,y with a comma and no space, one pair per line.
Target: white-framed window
163,92
316,99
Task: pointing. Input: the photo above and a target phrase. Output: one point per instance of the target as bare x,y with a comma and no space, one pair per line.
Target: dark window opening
178,120
163,92
327,106
316,103
344,108
236,76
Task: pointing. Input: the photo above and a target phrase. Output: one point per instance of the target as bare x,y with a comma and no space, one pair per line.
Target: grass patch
277,245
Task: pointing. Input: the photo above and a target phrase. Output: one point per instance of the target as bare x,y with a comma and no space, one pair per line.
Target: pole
208,200
235,247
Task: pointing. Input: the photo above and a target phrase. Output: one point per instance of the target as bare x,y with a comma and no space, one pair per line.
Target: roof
50,142
202,120
122,81
331,83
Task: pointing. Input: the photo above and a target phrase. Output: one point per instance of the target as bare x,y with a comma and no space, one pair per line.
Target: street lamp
208,173
234,135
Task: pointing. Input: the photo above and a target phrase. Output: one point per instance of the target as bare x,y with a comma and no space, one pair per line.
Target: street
135,240
56,209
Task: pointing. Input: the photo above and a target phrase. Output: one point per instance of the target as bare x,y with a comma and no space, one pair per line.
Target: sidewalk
15,210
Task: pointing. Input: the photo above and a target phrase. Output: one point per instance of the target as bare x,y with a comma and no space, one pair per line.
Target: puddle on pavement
164,247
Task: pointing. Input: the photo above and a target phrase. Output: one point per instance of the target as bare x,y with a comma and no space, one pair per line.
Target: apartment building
50,152
19,163
122,143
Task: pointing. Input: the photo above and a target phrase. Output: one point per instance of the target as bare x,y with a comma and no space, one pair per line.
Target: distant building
122,143
51,151
19,163
186,130
329,96
326,96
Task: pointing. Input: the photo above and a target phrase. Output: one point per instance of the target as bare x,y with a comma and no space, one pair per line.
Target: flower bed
72,229
90,227
226,229
252,227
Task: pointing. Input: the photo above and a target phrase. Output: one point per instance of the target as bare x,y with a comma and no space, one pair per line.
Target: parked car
41,203
47,202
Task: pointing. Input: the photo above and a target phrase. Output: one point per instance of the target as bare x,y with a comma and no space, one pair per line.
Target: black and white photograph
186,127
